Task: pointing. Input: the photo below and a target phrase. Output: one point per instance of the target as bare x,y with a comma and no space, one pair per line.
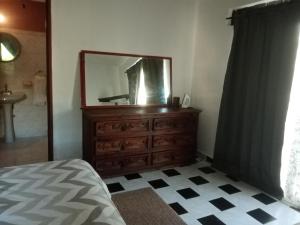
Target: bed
55,193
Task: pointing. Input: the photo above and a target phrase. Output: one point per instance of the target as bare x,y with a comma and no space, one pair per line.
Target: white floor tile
200,206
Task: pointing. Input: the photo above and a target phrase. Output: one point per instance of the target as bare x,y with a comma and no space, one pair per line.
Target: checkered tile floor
203,195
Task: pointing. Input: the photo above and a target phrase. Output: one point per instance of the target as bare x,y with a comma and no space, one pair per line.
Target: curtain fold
256,94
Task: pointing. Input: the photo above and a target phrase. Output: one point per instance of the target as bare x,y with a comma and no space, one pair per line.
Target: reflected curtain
256,93
133,75
154,80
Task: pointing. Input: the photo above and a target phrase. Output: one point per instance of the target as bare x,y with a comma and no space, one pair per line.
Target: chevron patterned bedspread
55,193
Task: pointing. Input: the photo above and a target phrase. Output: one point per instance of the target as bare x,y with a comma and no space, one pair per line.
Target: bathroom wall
30,119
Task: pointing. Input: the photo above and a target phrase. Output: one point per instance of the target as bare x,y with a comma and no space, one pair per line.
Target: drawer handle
124,127
115,126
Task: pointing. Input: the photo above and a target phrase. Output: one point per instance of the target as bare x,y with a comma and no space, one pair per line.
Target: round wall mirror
10,47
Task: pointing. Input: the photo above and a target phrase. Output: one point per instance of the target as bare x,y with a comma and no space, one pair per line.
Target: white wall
213,43
193,32
151,27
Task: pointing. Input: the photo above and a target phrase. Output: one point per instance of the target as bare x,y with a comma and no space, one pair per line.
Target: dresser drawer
109,164
173,157
108,146
165,124
105,146
162,158
135,144
173,140
119,126
138,161
104,127
121,165
136,125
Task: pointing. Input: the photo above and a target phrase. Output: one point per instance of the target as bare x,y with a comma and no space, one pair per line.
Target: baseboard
208,159
203,157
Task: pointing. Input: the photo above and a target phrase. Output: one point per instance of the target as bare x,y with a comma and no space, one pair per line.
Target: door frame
49,79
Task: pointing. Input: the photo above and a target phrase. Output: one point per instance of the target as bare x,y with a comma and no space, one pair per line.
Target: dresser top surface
139,110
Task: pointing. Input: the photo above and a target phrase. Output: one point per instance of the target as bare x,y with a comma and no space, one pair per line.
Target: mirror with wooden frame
110,79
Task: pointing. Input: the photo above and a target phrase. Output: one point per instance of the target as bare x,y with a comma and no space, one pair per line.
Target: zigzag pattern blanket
55,193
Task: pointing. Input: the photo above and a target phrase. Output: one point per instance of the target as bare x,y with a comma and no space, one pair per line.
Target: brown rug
145,207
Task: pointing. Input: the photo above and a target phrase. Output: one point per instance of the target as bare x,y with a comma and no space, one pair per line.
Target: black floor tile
198,180
207,170
160,183
222,204
115,187
261,216
264,198
171,172
133,176
233,178
210,220
229,189
188,193
178,208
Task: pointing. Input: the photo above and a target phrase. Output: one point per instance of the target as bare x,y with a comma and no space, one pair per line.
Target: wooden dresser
125,140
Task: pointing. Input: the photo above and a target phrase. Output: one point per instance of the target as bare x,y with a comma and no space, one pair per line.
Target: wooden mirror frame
83,85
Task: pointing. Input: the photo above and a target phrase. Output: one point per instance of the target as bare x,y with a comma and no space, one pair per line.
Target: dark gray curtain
256,94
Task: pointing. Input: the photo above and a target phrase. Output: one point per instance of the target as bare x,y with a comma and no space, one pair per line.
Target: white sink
7,100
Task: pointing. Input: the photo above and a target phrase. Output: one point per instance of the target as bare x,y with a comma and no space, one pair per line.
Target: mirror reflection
10,47
126,79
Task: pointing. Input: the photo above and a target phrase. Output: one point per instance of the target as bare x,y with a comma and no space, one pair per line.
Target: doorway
26,123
